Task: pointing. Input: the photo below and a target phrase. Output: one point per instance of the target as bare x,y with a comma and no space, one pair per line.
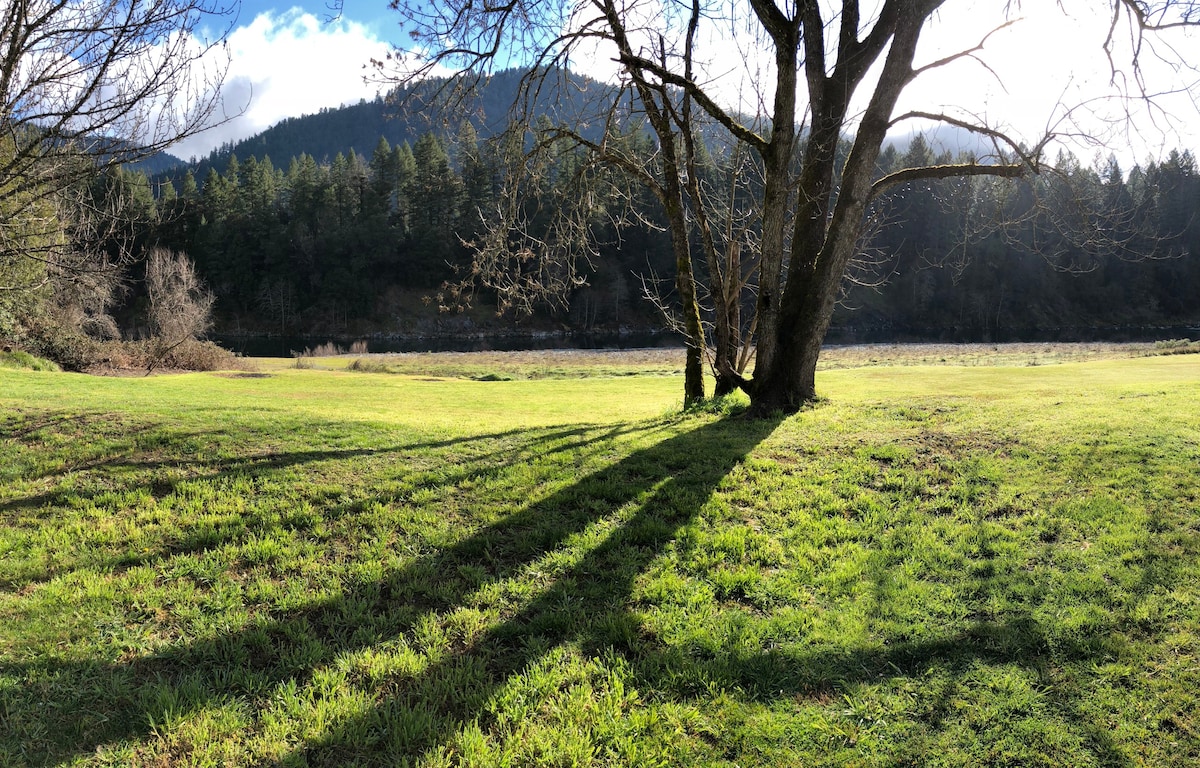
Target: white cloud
287,65
294,63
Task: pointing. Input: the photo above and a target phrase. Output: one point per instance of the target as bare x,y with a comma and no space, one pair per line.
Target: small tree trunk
685,284
685,278
727,320
685,281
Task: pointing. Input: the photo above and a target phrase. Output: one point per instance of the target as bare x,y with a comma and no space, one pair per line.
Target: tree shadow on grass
661,489
630,511
1058,664
126,466
640,501
147,446
588,607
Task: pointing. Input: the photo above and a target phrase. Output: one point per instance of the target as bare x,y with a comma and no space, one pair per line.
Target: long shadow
658,489
482,464
588,606
588,603
128,456
256,465
642,502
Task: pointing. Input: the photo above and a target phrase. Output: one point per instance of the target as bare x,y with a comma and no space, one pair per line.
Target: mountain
404,115
157,164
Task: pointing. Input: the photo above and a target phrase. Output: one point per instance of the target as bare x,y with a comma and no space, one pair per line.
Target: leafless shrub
144,354
180,305
330,349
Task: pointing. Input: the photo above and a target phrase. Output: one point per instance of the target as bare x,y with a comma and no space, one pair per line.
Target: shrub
368,366
67,346
1176,347
196,355
329,349
188,355
1171,343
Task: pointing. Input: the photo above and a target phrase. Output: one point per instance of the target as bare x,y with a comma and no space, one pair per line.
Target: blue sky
374,14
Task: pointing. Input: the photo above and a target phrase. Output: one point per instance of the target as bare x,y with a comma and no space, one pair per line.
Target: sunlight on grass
938,565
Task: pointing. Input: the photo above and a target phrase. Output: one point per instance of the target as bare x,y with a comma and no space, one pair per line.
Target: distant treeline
358,243
1074,247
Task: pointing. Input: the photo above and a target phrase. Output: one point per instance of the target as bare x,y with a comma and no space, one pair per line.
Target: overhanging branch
1028,157
949,171
668,77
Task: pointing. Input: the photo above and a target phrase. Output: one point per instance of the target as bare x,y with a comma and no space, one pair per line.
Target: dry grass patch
668,361
1015,354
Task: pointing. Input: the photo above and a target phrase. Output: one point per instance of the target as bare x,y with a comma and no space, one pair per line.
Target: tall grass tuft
368,366
330,349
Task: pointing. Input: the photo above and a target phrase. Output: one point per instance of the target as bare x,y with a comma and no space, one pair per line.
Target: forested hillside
400,116
1081,247
350,222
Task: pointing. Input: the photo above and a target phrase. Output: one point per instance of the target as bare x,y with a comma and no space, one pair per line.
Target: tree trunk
777,160
824,244
685,279
685,284
790,383
726,287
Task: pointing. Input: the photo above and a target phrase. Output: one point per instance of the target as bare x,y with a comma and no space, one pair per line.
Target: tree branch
968,53
951,170
668,77
1029,157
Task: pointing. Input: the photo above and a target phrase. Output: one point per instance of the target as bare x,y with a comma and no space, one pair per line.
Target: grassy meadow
509,562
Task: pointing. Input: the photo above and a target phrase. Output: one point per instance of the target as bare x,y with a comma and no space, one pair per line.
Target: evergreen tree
435,192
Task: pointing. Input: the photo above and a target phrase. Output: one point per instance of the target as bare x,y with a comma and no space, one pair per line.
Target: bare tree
85,86
180,307
833,72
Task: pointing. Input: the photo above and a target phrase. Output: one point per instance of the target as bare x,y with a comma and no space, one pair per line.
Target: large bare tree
828,72
86,86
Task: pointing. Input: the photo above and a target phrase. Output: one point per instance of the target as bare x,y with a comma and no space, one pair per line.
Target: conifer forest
366,243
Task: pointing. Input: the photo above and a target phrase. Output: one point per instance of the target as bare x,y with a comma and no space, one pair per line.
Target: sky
291,59
1050,58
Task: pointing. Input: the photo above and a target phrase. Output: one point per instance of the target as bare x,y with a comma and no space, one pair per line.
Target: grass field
944,563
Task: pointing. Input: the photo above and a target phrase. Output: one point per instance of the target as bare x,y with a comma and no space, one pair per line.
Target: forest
358,244
368,220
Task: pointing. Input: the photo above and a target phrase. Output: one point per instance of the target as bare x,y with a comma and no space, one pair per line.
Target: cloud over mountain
289,64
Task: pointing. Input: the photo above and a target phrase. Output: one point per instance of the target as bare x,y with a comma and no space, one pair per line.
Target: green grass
939,565
19,360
